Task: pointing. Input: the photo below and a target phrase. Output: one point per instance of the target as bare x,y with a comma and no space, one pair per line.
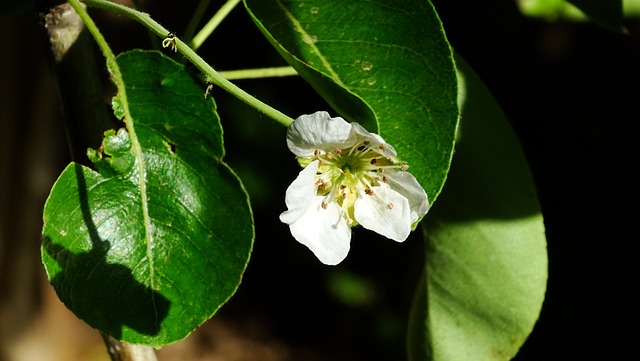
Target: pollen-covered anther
380,146
343,196
329,155
380,170
390,205
374,161
405,166
338,151
368,191
323,205
384,179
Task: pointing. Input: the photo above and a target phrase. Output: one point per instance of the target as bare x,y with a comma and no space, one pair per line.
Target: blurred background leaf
608,14
486,260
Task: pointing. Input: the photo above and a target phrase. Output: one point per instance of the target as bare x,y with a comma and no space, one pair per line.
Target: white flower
350,177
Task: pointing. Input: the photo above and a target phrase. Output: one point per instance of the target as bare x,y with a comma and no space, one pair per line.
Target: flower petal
299,193
384,211
407,185
375,141
318,131
324,231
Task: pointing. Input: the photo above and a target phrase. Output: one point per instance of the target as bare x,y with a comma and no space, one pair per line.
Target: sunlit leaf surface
486,261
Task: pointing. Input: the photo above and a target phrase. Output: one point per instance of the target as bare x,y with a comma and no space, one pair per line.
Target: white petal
374,140
385,212
323,230
407,185
300,193
318,131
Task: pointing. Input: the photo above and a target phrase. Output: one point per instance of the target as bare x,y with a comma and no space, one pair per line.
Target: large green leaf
384,64
148,258
486,261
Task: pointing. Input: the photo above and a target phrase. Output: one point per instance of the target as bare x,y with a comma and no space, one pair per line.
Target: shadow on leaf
105,295
489,176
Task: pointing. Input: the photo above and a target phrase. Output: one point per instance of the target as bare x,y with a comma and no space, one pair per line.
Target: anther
361,148
323,205
338,151
208,89
374,161
329,155
384,179
405,166
368,191
390,205
170,42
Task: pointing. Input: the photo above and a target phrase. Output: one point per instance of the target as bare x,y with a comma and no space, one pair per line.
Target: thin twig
121,351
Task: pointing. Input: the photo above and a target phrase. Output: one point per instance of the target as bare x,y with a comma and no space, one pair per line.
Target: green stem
212,76
195,20
116,77
258,73
213,23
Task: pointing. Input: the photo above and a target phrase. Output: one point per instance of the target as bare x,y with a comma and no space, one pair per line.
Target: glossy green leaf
146,259
385,64
486,262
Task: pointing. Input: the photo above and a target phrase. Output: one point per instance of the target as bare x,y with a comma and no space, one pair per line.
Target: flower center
342,174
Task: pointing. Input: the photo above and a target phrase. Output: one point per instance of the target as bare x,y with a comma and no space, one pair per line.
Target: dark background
569,90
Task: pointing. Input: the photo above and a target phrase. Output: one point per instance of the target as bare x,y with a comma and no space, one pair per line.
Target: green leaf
608,14
385,64
486,261
544,8
631,8
148,261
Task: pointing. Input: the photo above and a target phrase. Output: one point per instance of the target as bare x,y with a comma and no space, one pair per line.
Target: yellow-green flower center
344,173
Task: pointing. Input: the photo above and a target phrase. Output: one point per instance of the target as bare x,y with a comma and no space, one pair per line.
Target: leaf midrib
298,27
136,148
